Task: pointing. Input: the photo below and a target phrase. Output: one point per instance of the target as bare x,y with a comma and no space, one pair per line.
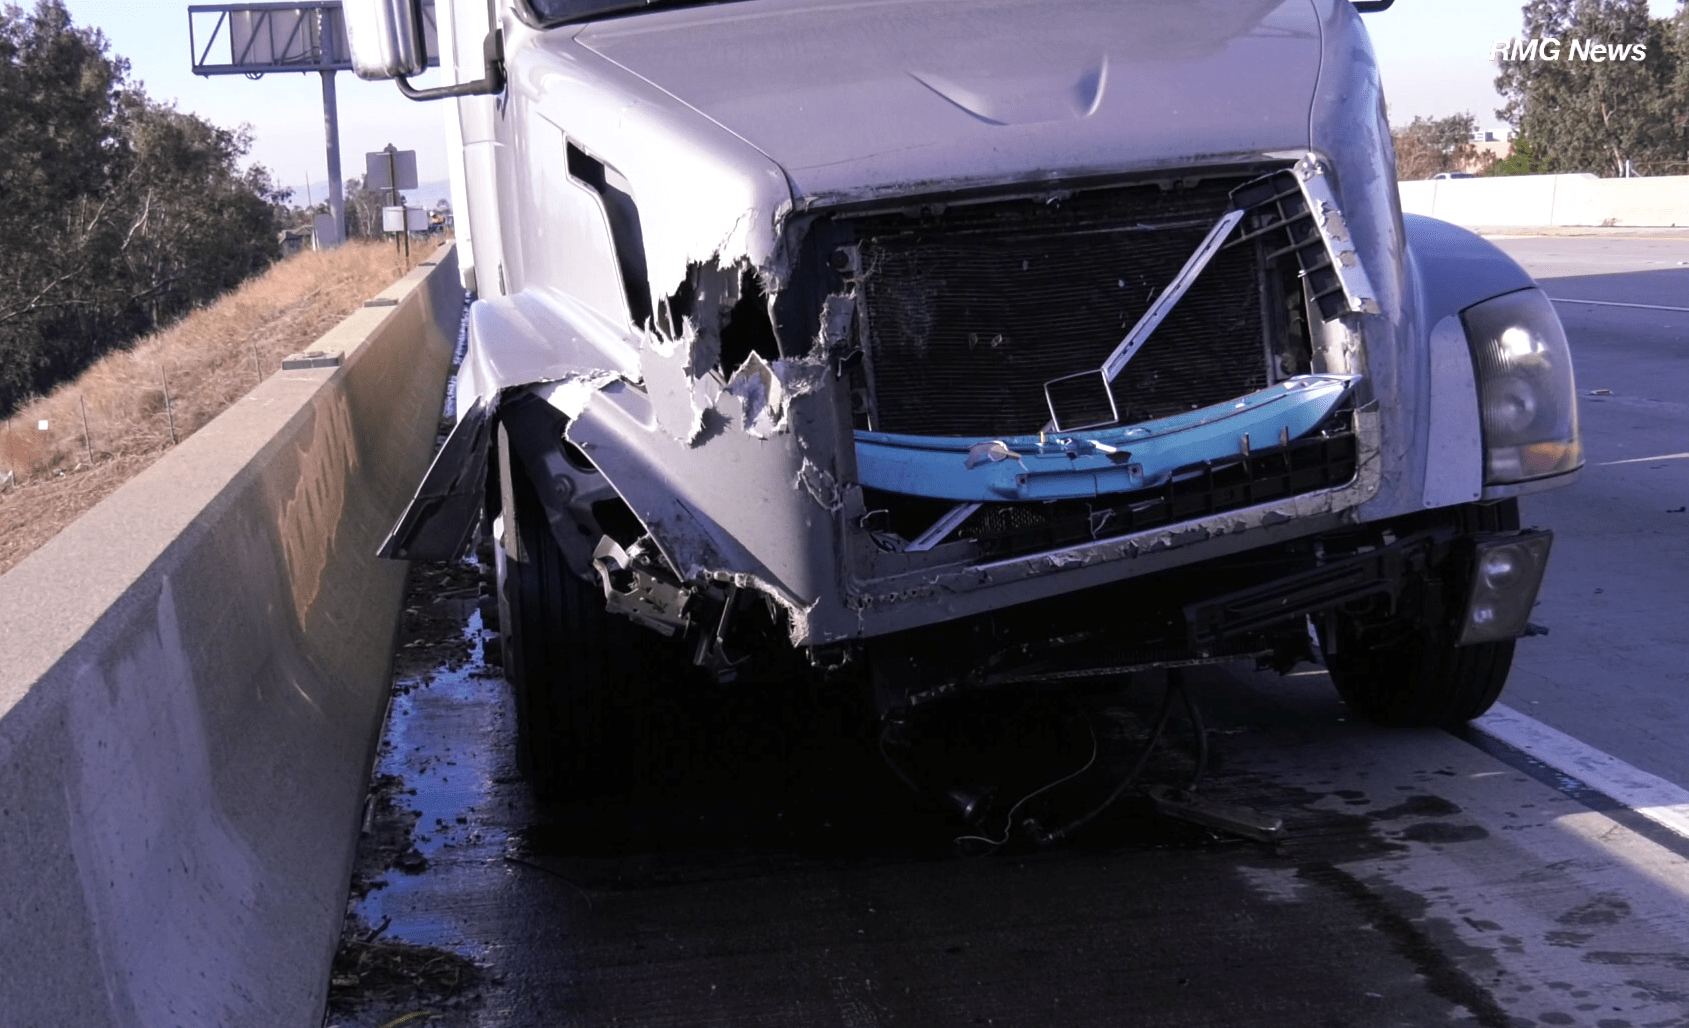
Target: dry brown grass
208,360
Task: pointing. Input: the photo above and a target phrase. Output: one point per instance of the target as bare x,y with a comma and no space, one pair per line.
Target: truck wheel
571,662
1406,670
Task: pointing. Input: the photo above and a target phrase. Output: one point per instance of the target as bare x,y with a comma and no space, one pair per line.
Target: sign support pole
393,182
283,36
331,131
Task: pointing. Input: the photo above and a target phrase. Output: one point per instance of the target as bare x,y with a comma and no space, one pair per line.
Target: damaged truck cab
970,342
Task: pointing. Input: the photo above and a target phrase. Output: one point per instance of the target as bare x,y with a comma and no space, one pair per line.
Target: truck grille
970,311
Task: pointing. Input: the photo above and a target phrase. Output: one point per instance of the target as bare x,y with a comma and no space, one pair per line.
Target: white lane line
1615,303
1654,798
1644,460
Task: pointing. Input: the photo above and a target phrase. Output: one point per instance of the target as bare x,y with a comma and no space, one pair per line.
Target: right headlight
1526,397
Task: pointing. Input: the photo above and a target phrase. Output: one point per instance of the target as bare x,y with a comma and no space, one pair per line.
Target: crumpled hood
857,98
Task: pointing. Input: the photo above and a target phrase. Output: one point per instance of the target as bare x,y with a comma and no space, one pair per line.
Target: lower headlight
1504,586
1501,567
1526,394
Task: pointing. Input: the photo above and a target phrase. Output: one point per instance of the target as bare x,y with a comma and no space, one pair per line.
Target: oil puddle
442,765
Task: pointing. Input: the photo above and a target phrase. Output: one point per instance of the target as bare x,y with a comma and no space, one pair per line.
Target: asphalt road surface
1614,672
770,870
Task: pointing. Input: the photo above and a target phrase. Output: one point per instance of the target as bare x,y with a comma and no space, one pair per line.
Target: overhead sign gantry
256,39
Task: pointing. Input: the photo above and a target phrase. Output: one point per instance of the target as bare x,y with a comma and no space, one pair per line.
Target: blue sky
1434,54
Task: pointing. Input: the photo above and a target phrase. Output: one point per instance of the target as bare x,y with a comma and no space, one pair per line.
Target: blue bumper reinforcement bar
1071,465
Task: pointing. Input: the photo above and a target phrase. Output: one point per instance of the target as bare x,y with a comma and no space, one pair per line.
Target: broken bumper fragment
1050,466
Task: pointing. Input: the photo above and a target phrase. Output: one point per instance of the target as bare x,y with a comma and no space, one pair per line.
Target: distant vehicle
945,343
1452,174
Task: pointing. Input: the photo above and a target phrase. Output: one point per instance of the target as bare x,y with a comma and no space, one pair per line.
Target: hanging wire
1175,690
1175,687
993,845
885,730
1199,730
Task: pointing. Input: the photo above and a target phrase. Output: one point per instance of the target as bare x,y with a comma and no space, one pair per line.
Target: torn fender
731,506
1048,466
528,338
535,337
440,521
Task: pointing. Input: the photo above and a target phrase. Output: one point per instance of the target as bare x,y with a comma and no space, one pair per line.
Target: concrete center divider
192,681
1551,201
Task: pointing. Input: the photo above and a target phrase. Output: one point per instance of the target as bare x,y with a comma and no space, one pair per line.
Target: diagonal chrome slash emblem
1175,292
1152,319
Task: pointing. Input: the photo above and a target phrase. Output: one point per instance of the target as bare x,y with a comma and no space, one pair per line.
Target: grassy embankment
208,359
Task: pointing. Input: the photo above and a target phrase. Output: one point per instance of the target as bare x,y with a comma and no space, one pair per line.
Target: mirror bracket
492,52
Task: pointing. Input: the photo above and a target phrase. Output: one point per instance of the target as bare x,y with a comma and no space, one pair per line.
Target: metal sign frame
298,36
287,35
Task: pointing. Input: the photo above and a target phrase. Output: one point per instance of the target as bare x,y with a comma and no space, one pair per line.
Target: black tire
575,667
1406,669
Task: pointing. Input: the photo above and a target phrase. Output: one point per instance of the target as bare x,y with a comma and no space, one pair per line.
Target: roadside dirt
383,983
431,636
62,454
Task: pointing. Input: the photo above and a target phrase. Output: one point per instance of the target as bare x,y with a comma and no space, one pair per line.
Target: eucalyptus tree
117,213
1595,115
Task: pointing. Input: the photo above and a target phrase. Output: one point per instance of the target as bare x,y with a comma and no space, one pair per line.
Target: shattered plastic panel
733,507
733,473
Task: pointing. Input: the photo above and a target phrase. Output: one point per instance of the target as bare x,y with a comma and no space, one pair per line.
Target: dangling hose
1175,687
1009,828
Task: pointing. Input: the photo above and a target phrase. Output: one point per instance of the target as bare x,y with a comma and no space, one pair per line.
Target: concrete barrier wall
192,679
1547,201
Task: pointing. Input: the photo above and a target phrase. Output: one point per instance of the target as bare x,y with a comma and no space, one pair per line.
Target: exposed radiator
970,311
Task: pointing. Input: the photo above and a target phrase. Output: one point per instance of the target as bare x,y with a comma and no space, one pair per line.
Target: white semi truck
969,343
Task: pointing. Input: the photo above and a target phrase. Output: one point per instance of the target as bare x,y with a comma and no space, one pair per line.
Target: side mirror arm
492,52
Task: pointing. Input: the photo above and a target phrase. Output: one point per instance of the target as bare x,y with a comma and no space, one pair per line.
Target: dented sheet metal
683,361
734,507
766,389
1050,466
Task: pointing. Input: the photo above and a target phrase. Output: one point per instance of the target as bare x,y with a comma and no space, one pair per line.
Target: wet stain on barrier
1602,910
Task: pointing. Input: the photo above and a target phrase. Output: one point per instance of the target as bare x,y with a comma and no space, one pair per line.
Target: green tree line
1430,145
1574,115
117,212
